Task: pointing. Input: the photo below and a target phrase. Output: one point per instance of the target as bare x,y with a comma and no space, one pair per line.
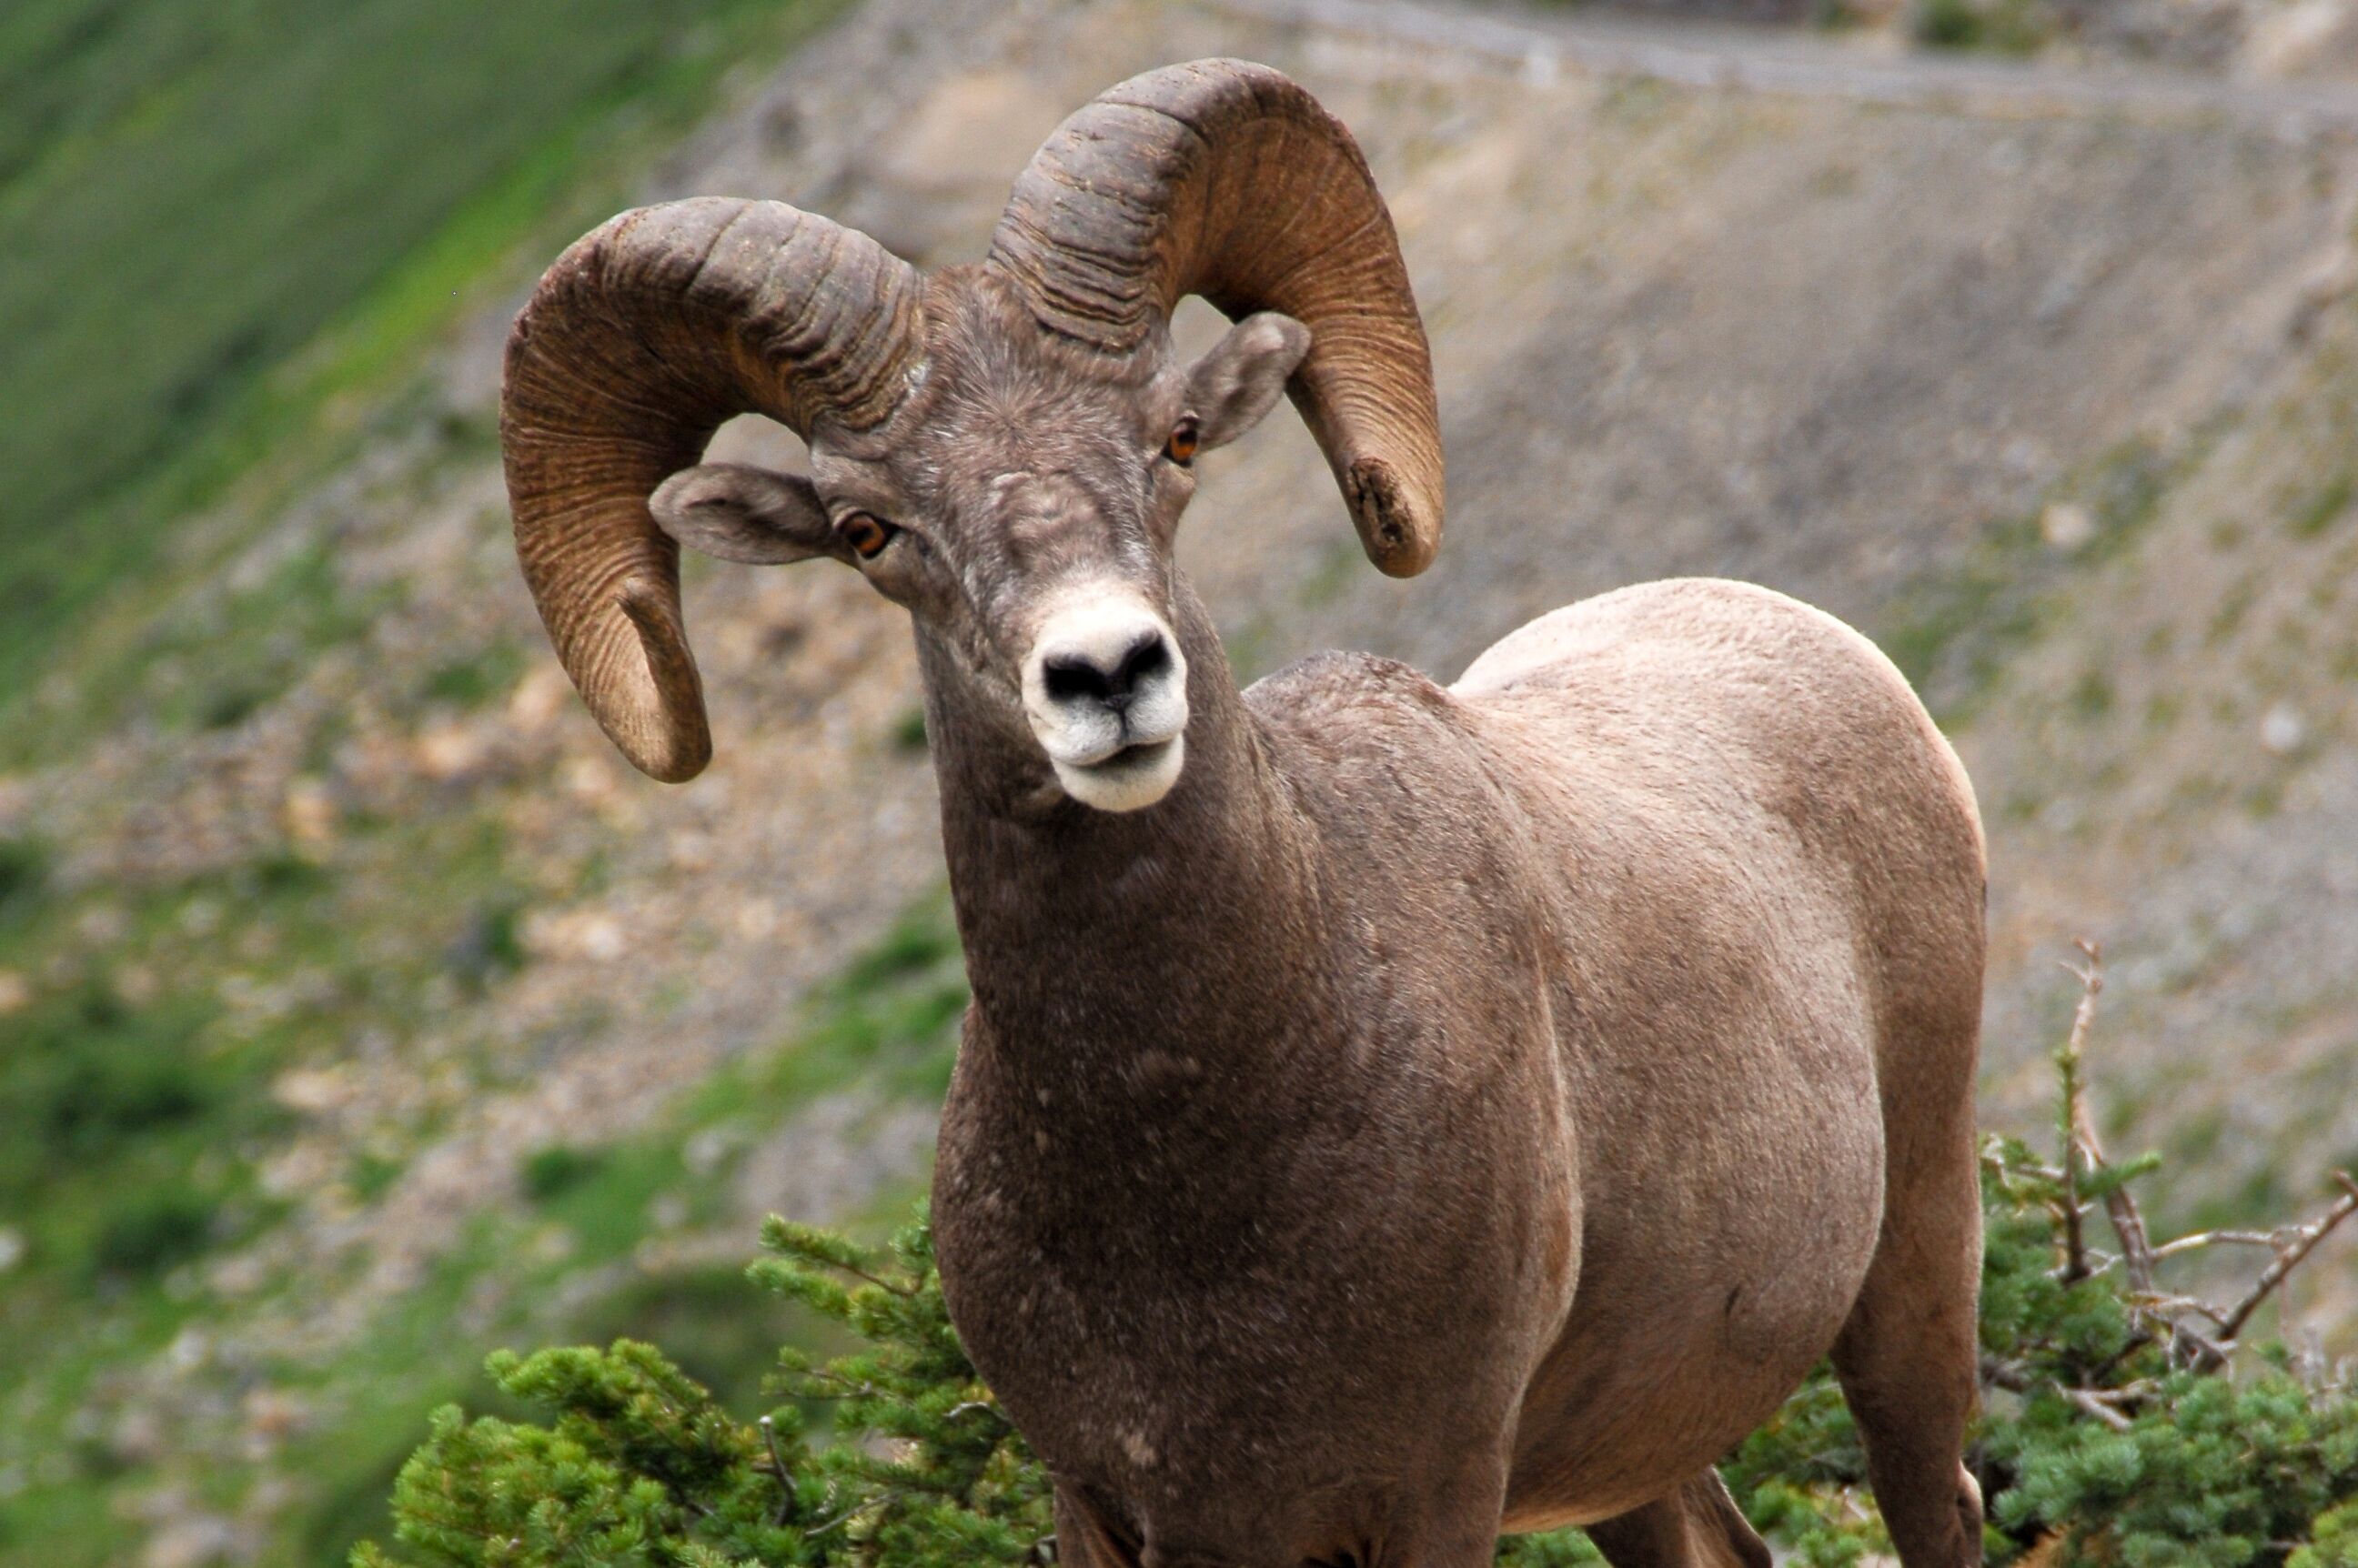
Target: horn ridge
639,341
1226,178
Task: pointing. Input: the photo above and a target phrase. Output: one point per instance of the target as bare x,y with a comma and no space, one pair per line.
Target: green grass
217,221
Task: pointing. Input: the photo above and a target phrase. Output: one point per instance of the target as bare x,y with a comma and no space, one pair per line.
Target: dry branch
2300,1244
2137,1254
2074,1115
2205,1348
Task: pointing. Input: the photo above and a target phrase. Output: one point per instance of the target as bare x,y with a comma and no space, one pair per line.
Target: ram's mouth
1135,755
1132,777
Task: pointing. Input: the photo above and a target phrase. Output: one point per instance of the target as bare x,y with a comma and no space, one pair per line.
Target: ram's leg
1082,1542
1909,1357
1698,1526
1454,1524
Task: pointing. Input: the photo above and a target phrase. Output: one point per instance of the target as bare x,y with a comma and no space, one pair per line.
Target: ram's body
1388,1114
1531,1137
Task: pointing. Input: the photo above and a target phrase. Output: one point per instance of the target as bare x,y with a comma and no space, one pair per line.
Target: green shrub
2002,26
640,1465
87,1075
2125,1424
24,879
557,1170
491,946
155,1231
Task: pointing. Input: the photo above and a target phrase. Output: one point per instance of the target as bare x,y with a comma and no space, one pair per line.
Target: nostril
1069,676
1148,658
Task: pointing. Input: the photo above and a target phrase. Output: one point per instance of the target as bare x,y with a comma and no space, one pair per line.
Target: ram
1389,1114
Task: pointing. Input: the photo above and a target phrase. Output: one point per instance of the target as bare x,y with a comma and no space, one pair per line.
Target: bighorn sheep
1389,1114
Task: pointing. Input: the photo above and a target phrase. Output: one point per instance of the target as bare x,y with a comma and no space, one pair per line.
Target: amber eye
865,532
1181,448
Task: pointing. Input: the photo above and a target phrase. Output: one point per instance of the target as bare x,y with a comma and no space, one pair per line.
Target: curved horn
645,336
1226,180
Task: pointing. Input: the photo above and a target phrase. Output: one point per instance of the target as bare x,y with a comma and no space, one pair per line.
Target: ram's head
1004,448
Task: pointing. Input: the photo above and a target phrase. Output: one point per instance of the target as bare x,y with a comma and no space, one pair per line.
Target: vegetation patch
222,220
1999,27
2323,508
1952,631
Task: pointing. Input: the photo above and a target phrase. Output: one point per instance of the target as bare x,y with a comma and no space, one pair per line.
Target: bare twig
2074,1111
2087,1400
2003,1375
823,1528
2302,1243
2190,1346
778,1465
2165,1306
2137,1254
850,1390
2201,1239
876,1279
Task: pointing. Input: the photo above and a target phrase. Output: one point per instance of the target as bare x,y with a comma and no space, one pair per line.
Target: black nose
1069,676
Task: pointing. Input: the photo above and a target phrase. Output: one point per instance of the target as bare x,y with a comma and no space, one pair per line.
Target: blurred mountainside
363,1011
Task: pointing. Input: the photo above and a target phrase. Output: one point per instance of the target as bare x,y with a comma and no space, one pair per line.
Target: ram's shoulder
1351,695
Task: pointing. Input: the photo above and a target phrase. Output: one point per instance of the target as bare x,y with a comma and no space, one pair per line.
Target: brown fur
1449,1108
1446,1110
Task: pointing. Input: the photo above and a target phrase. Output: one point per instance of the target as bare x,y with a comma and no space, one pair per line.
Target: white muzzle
1105,688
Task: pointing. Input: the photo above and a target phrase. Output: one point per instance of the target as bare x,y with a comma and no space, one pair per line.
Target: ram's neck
1123,951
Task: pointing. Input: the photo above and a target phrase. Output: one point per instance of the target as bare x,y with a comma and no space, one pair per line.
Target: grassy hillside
192,195
231,237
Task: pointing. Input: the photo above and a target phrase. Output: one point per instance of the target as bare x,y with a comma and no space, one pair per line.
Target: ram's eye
1181,448
866,532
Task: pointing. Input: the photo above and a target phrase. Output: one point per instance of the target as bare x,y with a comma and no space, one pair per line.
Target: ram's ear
744,514
1232,387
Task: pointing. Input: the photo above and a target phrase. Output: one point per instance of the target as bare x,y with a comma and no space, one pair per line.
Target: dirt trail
1867,70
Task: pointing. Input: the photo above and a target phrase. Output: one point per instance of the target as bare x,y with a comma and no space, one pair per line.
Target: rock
575,934
2282,729
16,992
138,1435
275,1414
196,1541
313,1091
2288,40
538,698
2066,526
447,751
137,984
309,814
104,925
189,1350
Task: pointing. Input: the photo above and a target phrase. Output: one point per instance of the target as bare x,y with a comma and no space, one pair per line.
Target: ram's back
1729,715
1764,872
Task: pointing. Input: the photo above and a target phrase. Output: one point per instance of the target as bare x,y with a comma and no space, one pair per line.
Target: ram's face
1001,446
1023,507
